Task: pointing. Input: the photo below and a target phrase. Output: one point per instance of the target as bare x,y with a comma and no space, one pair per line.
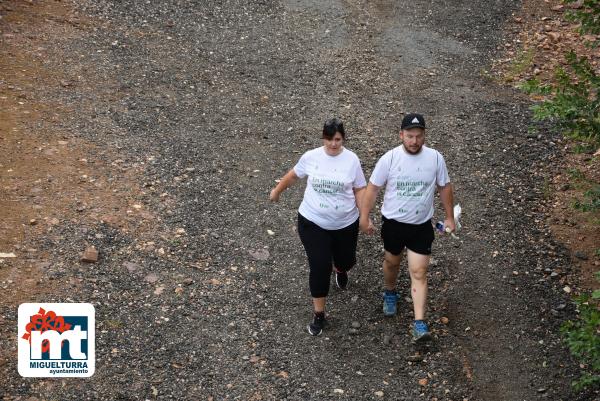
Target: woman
328,215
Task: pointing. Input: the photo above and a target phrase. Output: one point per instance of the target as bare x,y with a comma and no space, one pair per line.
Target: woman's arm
287,181
367,202
358,195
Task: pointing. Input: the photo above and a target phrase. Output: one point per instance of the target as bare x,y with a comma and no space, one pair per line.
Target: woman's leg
317,244
343,247
344,252
319,304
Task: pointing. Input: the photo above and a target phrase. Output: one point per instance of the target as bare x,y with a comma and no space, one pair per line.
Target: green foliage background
572,103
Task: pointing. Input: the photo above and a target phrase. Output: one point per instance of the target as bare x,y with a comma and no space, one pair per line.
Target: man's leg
391,266
393,243
417,267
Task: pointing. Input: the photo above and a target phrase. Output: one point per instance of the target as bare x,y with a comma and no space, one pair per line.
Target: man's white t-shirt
329,200
411,181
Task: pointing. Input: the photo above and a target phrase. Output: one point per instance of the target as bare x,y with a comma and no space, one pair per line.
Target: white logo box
78,362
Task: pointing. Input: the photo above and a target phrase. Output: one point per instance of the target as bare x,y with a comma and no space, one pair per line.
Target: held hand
366,226
363,225
274,196
371,229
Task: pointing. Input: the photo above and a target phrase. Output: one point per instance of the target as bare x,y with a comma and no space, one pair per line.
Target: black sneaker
341,279
315,327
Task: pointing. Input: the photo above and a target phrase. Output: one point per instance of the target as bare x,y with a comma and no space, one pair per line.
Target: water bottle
439,226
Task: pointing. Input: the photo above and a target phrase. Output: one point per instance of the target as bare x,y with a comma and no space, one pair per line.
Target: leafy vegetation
583,338
522,62
591,202
588,16
572,99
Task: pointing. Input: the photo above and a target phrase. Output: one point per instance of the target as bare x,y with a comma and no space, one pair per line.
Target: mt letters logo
56,340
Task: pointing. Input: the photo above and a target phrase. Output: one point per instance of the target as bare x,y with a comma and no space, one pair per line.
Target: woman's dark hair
332,126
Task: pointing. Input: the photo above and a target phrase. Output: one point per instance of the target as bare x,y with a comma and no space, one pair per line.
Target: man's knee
417,265
419,273
392,261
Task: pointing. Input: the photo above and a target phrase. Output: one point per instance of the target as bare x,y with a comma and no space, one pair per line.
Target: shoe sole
424,338
311,333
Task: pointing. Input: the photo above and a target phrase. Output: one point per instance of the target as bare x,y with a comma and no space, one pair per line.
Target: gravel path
213,101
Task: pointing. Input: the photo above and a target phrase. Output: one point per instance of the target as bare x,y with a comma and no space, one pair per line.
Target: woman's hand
366,225
287,181
274,195
371,229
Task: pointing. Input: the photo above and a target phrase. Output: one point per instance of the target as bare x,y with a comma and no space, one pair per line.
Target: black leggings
324,247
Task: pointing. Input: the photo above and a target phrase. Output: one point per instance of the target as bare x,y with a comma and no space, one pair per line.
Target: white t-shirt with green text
410,183
329,200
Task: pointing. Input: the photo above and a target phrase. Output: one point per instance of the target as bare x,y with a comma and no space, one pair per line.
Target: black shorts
416,237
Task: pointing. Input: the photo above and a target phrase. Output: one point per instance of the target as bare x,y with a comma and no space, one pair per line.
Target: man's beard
413,152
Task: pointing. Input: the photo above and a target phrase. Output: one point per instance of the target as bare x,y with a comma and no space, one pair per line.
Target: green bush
572,100
583,338
589,17
592,201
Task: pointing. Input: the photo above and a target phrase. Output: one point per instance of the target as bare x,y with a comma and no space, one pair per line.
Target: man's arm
447,198
366,204
287,181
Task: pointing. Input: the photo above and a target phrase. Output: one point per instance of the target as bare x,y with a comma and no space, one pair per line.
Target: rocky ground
154,132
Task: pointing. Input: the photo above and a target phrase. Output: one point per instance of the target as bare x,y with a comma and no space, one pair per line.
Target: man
410,172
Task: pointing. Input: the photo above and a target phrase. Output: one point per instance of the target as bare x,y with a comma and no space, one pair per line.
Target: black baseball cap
413,120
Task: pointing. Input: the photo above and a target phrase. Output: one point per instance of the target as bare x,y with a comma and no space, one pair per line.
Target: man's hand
449,225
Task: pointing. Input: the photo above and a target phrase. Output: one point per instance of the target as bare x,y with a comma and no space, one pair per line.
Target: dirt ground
155,130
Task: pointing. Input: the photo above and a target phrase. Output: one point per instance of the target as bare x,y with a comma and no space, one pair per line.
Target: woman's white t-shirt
329,200
411,182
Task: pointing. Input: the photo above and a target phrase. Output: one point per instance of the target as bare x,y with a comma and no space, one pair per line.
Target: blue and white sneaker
421,331
390,299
